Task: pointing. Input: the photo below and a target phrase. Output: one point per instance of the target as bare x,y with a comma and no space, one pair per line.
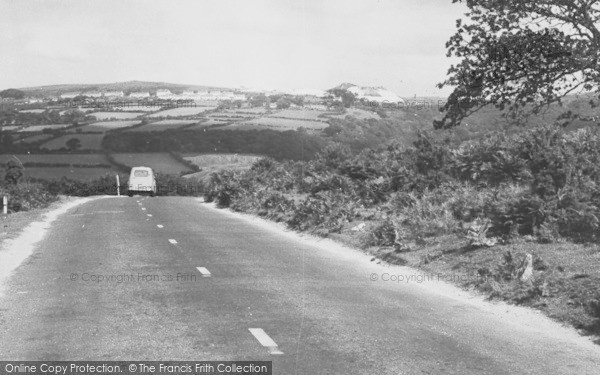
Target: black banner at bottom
136,367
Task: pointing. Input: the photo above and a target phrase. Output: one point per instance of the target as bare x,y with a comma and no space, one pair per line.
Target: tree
14,172
346,96
73,144
283,103
6,140
259,100
522,56
12,94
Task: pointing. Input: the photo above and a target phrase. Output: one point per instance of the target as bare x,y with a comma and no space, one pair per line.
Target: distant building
92,94
69,95
139,95
164,94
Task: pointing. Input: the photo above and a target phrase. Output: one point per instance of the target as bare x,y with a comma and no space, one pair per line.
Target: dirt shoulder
565,275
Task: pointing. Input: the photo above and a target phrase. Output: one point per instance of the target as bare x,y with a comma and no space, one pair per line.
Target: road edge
14,251
509,312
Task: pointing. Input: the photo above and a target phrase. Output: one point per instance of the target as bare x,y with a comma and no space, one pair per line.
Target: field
57,158
206,124
182,111
211,163
88,142
299,114
108,125
252,111
116,115
35,138
72,173
159,162
163,125
360,114
231,116
277,124
32,110
138,108
39,128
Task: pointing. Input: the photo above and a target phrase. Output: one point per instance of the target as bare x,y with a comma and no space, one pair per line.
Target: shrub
27,195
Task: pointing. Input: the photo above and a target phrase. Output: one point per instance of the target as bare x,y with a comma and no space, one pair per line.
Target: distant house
69,95
92,94
164,94
139,95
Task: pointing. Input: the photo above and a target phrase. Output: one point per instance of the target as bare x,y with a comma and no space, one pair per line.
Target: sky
283,44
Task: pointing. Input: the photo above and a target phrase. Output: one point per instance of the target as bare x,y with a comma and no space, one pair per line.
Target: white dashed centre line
172,241
203,271
265,340
159,225
143,208
149,215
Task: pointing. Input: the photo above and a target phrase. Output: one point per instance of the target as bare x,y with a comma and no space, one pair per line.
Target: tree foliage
12,94
521,56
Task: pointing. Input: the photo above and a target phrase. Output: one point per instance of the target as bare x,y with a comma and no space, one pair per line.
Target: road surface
170,278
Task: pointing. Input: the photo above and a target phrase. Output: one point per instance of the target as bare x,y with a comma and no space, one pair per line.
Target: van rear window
140,173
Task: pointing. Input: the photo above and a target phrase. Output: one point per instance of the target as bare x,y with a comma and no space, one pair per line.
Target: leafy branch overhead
521,56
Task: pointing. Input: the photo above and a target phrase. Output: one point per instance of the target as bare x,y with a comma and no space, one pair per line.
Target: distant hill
129,86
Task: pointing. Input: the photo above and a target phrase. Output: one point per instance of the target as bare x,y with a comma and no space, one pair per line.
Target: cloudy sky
280,44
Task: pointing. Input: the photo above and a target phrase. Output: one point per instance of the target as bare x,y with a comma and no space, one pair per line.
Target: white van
141,181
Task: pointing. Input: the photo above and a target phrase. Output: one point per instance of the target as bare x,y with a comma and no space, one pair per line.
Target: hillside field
162,125
182,111
90,159
115,115
161,162
103,126
214,163
279,124
49,173
88,142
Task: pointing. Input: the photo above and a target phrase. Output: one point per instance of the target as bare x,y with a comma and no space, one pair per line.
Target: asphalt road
173,279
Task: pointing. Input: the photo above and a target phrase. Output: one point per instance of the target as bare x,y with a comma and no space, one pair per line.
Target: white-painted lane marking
172,241
149,215
204,271
265,340
143,208
159,225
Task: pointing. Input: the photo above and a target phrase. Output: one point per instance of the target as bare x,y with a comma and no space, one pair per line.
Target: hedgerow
541,182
